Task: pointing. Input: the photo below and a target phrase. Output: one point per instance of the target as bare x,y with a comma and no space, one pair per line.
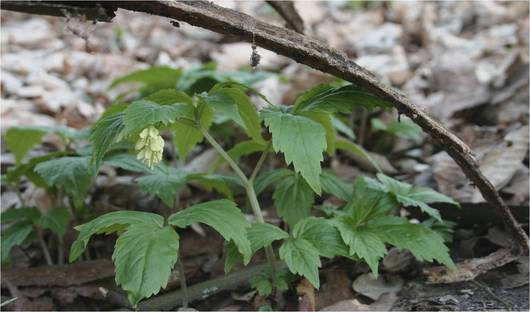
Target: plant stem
183,284
249,188
44,248
260,163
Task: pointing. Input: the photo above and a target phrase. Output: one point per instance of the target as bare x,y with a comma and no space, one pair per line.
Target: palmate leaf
127,162
165,183
105,132
327,98
152,79
109,223
143,257
72,174
302,258
293,199
223,216
144,253
142,114
259,235
301,140
187,135
367,203
363,241
322,235
324,119
409,196
169,96
424,243
233,103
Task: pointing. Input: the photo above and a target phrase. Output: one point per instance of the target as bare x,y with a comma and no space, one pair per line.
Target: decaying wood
287,10
77,273
469,269
317,55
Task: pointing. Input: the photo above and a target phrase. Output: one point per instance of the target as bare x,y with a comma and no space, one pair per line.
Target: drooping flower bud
150,146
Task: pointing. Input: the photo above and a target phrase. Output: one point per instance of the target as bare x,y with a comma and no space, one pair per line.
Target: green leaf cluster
18,225
147,248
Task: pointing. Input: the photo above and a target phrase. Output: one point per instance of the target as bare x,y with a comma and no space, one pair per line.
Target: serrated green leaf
72,174
222,215
109,223
13,236
367,203
105,132
327,98
263,234
169,96
267,178
301,140
152,79
234,104
332,184
293,199
259,235
363,241
262,284
346,145
322,235
144,256
302,258
127,162
20,141
422,242
142,114
165,183
186,135
324,119
15,174
56,219
30,214
408,195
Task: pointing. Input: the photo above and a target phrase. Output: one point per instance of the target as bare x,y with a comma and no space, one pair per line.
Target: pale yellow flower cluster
150,146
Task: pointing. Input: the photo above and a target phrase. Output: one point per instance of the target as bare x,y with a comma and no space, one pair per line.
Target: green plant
187,104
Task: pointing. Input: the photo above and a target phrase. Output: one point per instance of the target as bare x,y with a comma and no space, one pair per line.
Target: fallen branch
313,53
288,12
170,300
468,270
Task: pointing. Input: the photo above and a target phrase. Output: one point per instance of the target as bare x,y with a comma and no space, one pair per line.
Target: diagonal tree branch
287,10
317,55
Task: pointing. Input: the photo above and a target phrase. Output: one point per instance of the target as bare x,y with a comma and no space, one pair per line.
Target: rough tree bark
312,53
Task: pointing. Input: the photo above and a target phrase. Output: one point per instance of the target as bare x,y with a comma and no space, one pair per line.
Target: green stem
260,163
249,188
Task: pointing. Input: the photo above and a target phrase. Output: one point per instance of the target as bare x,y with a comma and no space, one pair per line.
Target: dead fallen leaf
500,164
337,287
306,295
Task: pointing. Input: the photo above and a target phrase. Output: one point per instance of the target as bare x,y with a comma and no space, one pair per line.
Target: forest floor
465,63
